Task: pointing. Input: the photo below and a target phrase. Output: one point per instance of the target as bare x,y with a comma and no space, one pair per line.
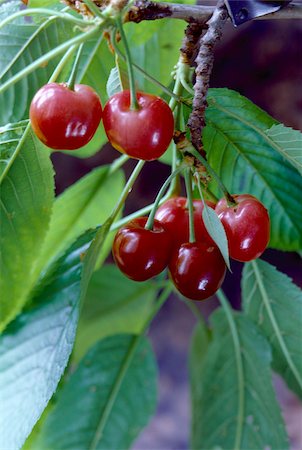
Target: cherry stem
47,12
200,186
195,310
230,200
117,163
127,188
150,221
149,77
188,182
94,9
75,68
133,100
175,107
61,64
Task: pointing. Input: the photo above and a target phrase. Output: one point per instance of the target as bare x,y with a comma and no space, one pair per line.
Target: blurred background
263,61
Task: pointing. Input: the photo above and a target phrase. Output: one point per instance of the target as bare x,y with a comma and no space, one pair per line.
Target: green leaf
26,193
235,404
242,154
113,304
107,400
288,142
22,42
84,205
215,229
274,302
35,348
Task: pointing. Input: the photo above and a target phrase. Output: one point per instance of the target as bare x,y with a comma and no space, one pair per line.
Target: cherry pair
197,269
64,118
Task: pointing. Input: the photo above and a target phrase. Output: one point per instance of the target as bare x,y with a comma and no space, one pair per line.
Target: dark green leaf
35,348
288,142
215,229
274,302
241,152
234,400
26,193
108,399
199,345
113,304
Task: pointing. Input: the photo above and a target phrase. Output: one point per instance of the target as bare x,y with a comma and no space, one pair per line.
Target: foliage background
261,61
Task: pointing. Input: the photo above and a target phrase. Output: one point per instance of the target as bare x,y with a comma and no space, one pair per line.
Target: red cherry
139,253
65,119
144,133
174,214
197,270
247,226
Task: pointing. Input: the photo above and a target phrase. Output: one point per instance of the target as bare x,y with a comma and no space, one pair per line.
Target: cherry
197,270
144,133
174,214
247,226
140,253
65,119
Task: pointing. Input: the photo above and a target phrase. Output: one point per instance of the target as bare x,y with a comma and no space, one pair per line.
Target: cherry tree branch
148,10
204,64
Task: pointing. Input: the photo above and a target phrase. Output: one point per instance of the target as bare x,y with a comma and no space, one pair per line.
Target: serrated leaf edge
274,323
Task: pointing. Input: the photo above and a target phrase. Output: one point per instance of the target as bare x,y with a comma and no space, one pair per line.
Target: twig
204,64
148,10
190,42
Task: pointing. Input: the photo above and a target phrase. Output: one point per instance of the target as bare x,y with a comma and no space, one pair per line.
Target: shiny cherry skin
174,215
247,226
197,270
140,253
65,119
142,134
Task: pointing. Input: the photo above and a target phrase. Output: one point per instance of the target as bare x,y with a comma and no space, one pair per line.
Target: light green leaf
107,400
288,142
159,43
274,302
241,152
26,194
114,304
235,404
84,205
35,348
215,229
115,84
41,3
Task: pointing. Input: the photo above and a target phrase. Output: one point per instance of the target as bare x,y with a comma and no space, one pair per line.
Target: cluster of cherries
66,119
197,269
